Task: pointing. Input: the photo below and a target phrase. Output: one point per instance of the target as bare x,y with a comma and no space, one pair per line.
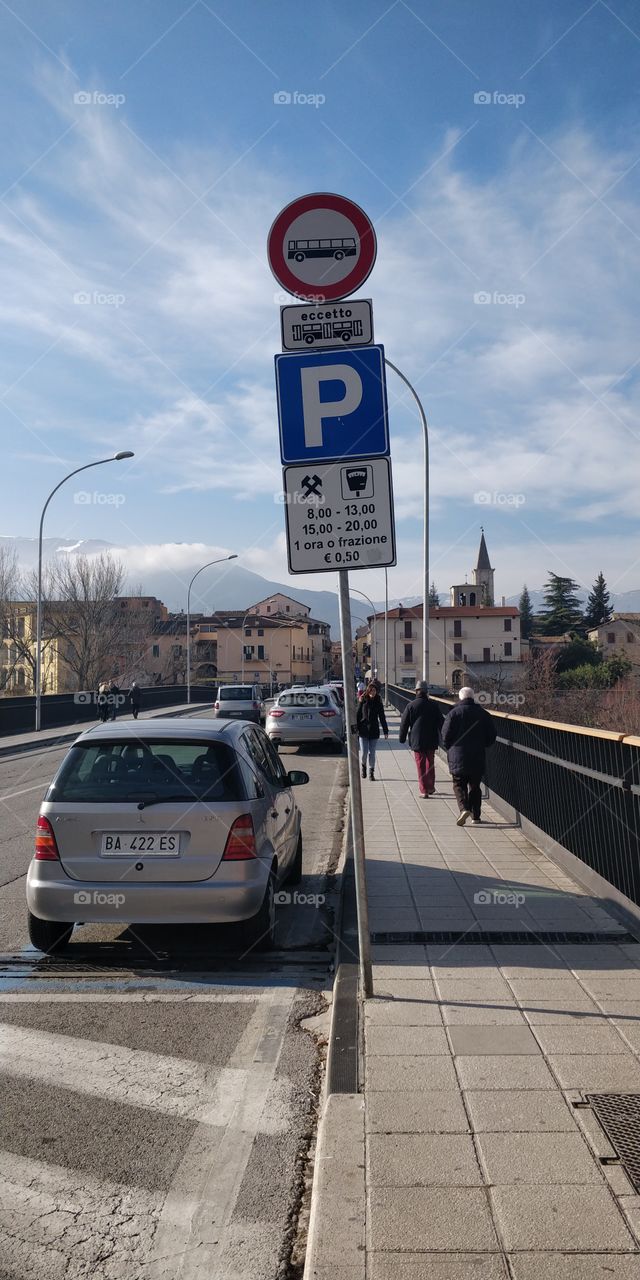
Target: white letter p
314,410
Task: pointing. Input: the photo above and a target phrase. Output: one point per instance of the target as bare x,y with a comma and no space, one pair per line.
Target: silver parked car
300,716
166,822
239,702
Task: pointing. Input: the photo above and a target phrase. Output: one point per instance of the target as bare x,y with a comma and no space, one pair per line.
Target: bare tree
85,617
20,627
8,588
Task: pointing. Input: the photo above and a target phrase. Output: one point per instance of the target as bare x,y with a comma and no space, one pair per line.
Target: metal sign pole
357,825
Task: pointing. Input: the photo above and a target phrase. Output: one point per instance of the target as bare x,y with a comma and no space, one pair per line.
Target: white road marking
195,1229
133,997
50,1214
11,795
159,1082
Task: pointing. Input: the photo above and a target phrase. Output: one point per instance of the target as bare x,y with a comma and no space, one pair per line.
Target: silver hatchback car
300,716
167,822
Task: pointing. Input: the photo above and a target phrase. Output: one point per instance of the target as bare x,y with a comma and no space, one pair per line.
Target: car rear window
120,770
236,693
303,700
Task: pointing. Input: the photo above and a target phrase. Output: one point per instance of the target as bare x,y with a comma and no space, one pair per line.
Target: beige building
18,655
620,634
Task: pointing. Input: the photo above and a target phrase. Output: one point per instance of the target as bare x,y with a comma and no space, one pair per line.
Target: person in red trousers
421,724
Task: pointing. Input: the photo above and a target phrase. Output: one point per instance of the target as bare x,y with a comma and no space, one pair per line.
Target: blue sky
138,311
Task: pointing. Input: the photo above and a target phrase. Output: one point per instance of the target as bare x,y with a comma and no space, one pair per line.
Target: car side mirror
297,778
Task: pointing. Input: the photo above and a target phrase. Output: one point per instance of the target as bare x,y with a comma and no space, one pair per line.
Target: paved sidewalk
11,742
477,1164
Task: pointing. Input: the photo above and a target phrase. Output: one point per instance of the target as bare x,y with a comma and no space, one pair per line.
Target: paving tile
519,1111
440,1218
436,1266
517,1071
573,1266
559,1217
423,1160
398,1073
412,1111
411,1040
472,1040
404,988
404,1013
587,1038
567,993
545,1158
551,1012
608,1072
482,1015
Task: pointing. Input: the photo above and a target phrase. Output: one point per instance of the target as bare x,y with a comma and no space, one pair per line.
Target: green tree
598,604
434,597
578,653
526,614
562,610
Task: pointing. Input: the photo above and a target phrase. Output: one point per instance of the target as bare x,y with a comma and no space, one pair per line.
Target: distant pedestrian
370,718
135,698
103,704
421,723
466,733
360,688
114,699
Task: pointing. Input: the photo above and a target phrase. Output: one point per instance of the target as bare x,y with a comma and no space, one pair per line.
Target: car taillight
256,706
276,713
328,713
241,841
46,847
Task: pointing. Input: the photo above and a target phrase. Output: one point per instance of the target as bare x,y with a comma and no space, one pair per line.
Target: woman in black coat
369,719
421,723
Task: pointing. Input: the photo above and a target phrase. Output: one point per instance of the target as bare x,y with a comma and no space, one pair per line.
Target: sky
495,146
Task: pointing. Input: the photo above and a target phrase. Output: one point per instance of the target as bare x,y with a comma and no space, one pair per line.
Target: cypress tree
598,604
526,614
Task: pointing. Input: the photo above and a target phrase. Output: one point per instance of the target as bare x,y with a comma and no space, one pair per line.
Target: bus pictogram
316,330
339,247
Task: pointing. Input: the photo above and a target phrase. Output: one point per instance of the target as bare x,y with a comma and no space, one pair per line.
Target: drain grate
472,937
619,1116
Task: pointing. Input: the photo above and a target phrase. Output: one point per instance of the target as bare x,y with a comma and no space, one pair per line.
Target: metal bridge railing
581,787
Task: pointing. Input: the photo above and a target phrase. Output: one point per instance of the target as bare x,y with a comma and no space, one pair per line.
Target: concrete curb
336,1243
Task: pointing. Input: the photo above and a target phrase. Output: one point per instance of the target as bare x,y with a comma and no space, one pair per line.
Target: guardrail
579,787
17,715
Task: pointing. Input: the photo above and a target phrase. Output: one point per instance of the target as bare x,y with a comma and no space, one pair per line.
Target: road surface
158,1095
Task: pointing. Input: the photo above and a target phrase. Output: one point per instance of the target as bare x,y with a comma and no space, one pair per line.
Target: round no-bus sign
322,247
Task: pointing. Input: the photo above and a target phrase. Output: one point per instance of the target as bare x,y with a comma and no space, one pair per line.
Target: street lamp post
386,638
425,555
375,629
221,560
118,457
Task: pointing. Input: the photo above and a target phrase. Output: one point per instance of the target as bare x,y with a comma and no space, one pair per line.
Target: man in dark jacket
421,723
467,731
369,718
135,698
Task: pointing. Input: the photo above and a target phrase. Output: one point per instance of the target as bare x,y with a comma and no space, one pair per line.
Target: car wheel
260,931
48,935
295,874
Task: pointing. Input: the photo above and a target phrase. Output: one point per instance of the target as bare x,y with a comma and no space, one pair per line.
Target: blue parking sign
332,404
